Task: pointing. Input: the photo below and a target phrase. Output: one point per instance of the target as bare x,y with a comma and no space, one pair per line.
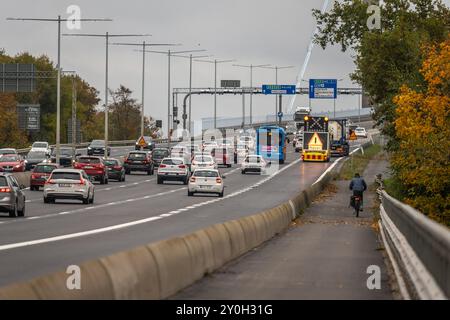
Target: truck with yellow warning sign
316,139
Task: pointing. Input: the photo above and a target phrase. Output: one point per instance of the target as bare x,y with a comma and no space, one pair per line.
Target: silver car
12,198
71,184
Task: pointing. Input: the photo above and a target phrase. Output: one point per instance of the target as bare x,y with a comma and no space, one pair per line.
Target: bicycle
356,204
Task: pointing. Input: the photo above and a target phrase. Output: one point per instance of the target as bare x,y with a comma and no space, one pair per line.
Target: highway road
135,212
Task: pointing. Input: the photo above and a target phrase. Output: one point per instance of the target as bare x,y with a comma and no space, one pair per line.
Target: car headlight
26,161
89,148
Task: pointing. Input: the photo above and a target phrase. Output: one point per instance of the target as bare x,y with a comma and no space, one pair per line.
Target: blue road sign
278,89
280,114
322,88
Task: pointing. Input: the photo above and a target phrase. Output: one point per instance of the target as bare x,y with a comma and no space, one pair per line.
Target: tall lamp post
215,62
107,35
190,57
58,81
251,66
169,54
276,68
144,45
334,103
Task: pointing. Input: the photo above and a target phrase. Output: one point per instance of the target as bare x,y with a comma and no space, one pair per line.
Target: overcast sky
250,31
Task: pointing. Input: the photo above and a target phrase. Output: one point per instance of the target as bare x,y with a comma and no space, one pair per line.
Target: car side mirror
22,186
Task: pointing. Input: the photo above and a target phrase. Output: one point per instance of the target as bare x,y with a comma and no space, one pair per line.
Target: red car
40,174
94,167
11,163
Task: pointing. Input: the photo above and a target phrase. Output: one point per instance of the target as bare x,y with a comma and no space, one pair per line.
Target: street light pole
190,57
251,66
106,99
58,81
215,61
144,45
169,54
58,97
143,89
276,82
106,36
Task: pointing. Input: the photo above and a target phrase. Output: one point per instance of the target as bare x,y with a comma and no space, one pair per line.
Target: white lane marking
76,235
122,225
165,215
328,170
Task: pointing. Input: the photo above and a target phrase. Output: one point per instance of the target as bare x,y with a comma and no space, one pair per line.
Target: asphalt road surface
132,213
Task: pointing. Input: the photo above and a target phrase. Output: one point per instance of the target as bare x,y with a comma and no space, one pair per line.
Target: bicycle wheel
357,204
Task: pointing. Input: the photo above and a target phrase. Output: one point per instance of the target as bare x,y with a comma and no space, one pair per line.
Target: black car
158,154
97,147
66,156
138,161
33,158
149,144
116,170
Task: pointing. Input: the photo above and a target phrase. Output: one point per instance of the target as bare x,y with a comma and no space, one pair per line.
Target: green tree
387,58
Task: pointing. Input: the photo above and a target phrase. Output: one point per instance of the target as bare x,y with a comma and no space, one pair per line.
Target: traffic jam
197,164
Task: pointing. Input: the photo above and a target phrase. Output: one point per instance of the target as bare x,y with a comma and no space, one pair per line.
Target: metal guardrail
85,144
418,247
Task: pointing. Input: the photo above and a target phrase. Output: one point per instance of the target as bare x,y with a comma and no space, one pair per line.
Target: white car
69,184
203,161
206,181
253,163
361,132
181,151
241,152
173,169
248,140
209,145
41,146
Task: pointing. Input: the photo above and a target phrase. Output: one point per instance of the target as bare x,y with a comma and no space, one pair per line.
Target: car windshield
3,182
89,160
203,159
172,161
65,175
97,143
7,151
62,152
39,145
160,153
206,173
253,159
36,155
44,169
9,158
136,155
111,162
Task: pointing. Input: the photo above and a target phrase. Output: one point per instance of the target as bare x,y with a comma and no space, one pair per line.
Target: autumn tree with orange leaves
422,161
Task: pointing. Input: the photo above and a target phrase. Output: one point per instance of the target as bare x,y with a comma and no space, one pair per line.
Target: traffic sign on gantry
322,88
278,89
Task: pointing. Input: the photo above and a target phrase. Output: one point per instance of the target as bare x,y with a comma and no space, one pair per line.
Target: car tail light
162,166
218,180
5,190
50,181
192,179
117,168
82,181
33,176
182,166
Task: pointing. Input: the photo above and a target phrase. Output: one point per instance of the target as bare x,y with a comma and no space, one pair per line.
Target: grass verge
358,162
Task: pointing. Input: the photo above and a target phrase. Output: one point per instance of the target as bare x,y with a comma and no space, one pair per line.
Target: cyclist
358,185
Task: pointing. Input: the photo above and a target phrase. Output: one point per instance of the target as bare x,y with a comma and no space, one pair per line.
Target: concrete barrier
161,269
